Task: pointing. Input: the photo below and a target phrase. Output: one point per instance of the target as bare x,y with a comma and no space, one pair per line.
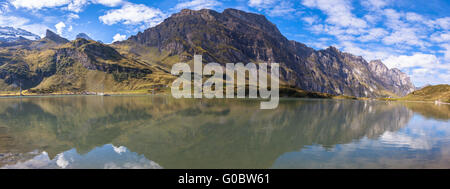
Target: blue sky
413,36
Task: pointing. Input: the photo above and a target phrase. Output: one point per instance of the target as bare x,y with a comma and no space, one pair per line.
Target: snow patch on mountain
8,34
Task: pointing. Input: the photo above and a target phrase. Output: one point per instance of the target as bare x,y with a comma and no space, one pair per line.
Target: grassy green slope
430,93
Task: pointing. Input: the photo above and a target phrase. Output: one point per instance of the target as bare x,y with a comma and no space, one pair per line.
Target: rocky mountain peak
333,49
392,79
83,36
79,42
205,14
55,37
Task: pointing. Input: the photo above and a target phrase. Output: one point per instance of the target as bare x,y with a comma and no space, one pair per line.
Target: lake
161,132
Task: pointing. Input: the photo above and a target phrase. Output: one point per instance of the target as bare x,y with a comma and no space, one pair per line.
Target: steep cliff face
49,35
391,79
237,36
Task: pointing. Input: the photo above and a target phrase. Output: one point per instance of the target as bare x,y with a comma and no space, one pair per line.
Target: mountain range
143,61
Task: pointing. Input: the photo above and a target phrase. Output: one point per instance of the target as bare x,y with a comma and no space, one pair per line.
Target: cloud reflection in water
107,157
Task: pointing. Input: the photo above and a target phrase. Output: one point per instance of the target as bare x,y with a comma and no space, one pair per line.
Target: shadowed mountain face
55,38
188,133
236,36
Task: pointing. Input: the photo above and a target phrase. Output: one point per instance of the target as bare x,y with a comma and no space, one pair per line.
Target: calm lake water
162,132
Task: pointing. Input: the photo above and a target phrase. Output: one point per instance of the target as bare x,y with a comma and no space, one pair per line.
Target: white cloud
387,34
60,27
411,16
338,12
71,5
38,4
372,18
368,54
133,14
406,36
373,34
444,23
73,16
4,7
38,29
374,4
423,68
197,4
416,60
119,37
283,8
12,21
440,37
311,19
109,3
274,8
77,5
261,4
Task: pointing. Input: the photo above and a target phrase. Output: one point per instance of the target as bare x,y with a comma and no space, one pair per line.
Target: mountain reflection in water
162,132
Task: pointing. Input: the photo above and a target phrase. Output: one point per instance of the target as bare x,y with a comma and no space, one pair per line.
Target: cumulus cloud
401,39
197,4
420,67
275,8
367,53
338,12
283,8
4,7
109,3
261,4
411,16
374,4
310,19
373,34
440,37
38,29
12,21
38,4
119,37
73,16
60,27
404,36
133,14
77,5
416,60
71,5
443,23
